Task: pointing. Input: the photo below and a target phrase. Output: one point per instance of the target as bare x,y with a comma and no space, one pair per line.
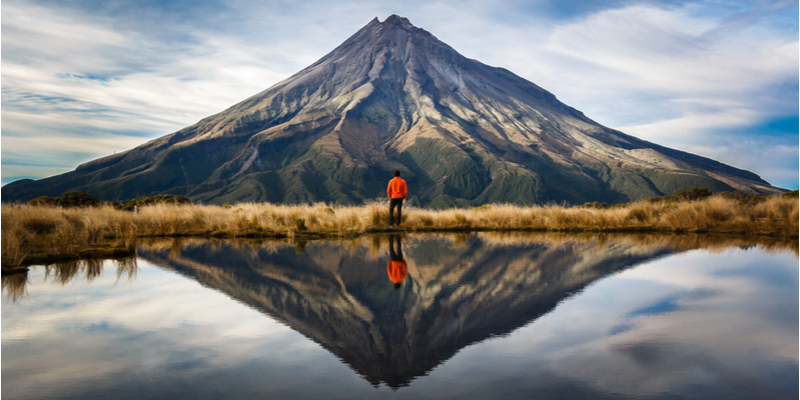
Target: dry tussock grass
42,229
49,230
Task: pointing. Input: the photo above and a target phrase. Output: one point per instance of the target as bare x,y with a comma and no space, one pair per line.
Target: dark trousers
392,204
395,255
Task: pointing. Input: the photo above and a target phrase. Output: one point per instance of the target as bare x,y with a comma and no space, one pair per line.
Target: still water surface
477,316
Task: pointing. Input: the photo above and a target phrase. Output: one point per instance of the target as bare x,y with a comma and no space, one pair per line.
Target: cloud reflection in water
478,316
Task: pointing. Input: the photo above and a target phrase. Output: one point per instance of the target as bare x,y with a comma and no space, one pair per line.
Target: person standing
397,191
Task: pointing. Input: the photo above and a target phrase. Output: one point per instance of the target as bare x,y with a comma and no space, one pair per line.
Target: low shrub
158,199
71,199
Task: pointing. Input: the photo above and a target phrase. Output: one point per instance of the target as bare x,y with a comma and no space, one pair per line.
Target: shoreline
109,251
32,234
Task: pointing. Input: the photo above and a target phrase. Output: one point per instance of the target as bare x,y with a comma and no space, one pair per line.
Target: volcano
393,96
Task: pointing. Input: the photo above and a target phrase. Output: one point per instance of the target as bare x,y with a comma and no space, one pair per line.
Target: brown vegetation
28,231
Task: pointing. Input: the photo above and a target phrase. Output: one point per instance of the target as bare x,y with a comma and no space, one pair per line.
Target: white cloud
32,145
644,53
688,127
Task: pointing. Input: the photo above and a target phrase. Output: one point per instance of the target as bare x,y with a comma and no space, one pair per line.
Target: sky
82,79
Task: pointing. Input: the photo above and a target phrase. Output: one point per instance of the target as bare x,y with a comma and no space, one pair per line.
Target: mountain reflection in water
455,290
458,289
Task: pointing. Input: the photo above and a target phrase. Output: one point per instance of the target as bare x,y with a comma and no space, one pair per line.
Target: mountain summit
393,96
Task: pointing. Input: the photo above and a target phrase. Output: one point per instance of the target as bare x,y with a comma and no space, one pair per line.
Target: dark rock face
390,97
453,295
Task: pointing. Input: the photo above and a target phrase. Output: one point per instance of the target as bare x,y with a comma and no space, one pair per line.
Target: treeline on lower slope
77,198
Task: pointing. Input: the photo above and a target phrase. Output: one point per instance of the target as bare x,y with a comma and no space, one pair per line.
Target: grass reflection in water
15,285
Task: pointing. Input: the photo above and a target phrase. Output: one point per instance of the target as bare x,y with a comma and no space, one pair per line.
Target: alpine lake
412,316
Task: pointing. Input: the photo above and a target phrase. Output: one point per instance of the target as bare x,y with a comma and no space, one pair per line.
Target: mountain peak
396,20
393,25
393,30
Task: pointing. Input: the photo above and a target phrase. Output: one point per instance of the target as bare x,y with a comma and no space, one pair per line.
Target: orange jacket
397,188
397,270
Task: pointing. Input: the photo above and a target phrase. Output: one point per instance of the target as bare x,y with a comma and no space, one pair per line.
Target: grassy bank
32,232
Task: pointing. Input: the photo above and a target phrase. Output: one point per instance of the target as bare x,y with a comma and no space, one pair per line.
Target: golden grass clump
28,230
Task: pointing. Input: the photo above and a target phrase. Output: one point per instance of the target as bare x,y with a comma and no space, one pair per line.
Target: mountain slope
390,97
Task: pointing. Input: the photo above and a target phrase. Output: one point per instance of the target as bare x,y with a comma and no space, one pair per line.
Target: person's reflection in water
397,266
